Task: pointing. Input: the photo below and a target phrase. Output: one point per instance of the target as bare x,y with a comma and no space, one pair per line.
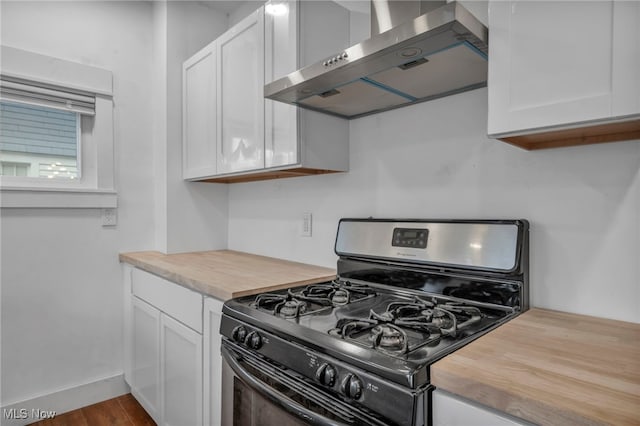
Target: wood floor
121,411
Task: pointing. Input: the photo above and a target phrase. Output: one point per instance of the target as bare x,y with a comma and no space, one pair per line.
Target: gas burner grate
281,305
407,325
311,299
333,294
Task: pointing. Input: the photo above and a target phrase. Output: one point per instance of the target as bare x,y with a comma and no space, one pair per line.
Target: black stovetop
388,331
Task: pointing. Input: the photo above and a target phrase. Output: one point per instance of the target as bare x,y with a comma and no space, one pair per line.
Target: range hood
437,51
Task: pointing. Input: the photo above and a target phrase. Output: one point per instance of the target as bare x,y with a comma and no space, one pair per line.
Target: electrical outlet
306,225
109,217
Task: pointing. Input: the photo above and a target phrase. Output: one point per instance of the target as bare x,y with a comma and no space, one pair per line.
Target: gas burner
340,297
291,308
444,320
284,306
388,336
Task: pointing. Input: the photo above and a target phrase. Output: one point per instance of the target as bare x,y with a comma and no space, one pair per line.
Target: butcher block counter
551,368
226,274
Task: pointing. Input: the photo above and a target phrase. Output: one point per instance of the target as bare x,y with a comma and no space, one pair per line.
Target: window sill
56,198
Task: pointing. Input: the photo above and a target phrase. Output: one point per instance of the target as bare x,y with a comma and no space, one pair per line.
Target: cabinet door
181,373
212,363
555,63
145,361
281,141
199,147
449,410
626,58
240,95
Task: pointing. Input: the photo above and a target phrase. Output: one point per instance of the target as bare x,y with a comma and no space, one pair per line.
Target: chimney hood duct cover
439,53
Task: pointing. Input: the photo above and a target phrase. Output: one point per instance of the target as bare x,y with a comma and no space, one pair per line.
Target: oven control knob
326,374
254,341
239,334
351,387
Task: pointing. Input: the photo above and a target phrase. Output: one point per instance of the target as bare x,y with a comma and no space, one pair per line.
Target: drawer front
176,301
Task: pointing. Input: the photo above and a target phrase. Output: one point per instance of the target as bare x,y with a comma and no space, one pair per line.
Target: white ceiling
229,6
361,6
226,6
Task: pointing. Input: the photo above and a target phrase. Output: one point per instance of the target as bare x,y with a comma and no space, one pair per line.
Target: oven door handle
275,396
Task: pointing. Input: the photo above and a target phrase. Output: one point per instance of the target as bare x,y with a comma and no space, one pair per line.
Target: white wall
192,216
433,160
61,279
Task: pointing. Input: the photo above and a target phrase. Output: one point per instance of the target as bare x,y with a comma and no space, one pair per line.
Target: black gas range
357,350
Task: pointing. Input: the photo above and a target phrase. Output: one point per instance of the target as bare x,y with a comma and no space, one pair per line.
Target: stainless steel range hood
439,53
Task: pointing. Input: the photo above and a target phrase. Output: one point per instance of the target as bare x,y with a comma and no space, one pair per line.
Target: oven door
265,395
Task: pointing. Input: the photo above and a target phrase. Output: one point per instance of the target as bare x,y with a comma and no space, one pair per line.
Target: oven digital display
407,237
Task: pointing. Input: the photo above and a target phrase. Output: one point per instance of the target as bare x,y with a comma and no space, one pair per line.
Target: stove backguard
484,261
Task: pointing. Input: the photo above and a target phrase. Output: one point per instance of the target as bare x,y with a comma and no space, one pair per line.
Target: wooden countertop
551,368
226,274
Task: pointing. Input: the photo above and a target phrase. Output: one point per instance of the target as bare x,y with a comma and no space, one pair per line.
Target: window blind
40,94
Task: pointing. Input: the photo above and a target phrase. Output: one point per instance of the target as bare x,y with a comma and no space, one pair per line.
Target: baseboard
31,410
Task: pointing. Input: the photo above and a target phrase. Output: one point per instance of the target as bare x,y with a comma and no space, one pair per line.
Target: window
56,132
40,142
7,168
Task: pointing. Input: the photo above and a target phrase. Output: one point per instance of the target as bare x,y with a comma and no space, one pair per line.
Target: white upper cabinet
199,116
281,120
299,142
255,138
240,100
556,65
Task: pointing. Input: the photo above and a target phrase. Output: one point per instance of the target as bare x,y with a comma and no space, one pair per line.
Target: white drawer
174,300
451,410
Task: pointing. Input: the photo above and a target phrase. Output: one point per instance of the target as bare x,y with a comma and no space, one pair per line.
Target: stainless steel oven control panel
492,246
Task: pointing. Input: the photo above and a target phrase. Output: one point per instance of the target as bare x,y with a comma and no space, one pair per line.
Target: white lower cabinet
450,410
173,370
145,356
180,373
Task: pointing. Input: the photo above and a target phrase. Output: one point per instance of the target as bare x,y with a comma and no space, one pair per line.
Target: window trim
96,186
